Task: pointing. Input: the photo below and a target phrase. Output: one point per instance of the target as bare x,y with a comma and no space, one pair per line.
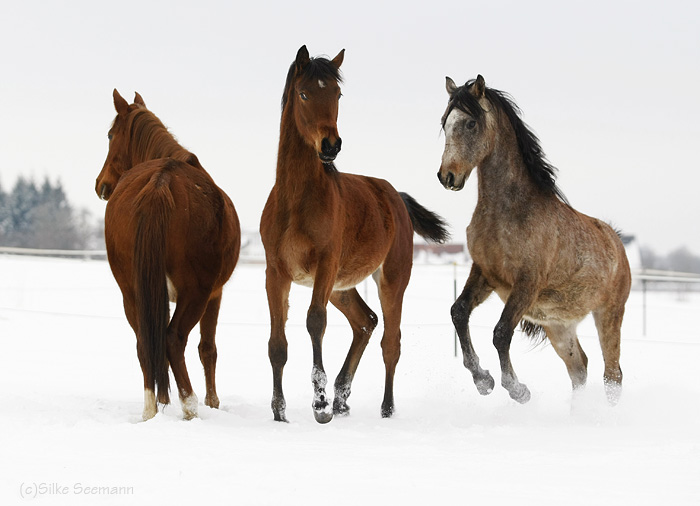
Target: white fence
643,279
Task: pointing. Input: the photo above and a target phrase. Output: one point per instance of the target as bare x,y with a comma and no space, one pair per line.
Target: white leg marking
150,408
189,406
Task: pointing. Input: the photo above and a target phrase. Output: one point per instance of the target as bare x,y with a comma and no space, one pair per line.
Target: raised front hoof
519,393
485,383
340,408
323,416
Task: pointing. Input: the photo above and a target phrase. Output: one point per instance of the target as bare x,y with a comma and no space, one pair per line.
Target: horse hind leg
363,321
150,405
567,346
187,313
608,321
207,349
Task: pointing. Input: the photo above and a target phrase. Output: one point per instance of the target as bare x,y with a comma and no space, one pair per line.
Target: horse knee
459,313
391,351
316,321
502,336
277,351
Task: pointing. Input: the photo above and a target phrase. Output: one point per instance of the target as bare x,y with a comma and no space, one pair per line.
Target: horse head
312,94
118,160
468,136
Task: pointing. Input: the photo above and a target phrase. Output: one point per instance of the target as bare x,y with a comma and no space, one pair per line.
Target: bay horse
172,235
550,264
329,230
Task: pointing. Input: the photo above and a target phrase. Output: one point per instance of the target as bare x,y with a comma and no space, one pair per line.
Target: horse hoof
387,411
520,393
279,417
485,384
340,408
613,391
212,401
323,416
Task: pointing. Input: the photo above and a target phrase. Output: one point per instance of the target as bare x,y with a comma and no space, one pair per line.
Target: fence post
644,307
454,293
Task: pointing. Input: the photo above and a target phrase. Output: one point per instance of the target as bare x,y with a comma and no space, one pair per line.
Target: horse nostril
450,181
104,191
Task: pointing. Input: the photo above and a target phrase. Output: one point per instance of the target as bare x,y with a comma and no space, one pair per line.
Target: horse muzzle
329,151
104,191
450,181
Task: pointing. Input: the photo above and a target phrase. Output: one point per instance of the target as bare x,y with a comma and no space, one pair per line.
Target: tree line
40,216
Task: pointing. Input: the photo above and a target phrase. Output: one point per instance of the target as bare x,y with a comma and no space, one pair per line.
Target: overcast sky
612,88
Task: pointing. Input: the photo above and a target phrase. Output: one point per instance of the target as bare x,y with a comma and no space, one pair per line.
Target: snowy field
70,429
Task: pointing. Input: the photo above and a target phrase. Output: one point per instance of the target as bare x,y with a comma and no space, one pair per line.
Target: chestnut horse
328,230
171,235
550,264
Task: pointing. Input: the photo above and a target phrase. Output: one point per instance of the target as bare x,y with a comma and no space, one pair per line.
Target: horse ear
302,59
450,85
338,60
138,100
479,87
121,105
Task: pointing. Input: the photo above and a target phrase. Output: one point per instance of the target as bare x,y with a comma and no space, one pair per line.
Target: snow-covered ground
70,429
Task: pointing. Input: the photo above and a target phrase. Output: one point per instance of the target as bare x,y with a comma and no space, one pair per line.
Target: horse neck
153,142
503,177
298,165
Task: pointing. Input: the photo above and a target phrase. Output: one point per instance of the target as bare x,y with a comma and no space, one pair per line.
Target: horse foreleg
363,321
277,287
316,326
521,298
476,290
207,349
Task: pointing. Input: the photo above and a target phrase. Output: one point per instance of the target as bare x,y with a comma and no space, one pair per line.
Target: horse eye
303,96
339,95
109,136
471,124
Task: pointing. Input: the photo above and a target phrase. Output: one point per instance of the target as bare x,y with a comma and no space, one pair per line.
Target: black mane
542,172
317,68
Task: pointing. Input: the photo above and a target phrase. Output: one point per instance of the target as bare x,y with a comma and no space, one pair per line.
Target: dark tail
426,223
153,208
